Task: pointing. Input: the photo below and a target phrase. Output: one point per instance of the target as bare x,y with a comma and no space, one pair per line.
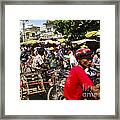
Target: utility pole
23,28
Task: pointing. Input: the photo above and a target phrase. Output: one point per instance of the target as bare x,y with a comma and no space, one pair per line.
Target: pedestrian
37,60
73,60
78,81
96,58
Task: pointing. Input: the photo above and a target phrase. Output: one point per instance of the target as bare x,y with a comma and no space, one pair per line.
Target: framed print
59,60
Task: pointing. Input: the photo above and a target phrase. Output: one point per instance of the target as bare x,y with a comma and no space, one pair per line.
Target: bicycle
56,90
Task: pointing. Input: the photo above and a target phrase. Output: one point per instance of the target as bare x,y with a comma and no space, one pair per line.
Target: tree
75,29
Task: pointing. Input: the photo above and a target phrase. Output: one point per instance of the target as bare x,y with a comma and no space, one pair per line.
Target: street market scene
60,59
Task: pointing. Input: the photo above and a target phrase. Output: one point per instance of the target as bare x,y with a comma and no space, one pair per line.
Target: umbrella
90,34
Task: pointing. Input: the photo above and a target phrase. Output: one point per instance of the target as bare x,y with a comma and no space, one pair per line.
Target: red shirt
76,83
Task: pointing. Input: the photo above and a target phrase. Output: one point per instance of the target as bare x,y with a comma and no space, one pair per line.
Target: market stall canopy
92,33
30,42
83,41
41,41
53,42
90,43
61,40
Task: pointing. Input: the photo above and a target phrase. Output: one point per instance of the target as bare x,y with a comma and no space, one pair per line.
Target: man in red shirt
78,81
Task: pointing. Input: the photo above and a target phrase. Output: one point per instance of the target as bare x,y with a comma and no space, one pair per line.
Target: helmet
83,53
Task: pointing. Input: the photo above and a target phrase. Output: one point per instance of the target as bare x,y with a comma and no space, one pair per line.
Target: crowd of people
80,66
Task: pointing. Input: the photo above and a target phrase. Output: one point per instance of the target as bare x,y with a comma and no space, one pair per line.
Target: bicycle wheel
55,93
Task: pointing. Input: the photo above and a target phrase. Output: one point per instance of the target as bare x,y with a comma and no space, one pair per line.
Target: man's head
84,57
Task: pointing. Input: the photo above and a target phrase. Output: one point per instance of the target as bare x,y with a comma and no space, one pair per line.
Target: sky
37,23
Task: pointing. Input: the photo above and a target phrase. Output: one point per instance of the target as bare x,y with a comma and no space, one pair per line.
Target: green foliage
75,28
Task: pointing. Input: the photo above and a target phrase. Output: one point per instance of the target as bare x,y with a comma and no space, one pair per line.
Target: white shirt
37,59
73,59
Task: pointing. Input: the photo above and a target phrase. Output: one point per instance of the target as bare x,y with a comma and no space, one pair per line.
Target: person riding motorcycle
78,81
